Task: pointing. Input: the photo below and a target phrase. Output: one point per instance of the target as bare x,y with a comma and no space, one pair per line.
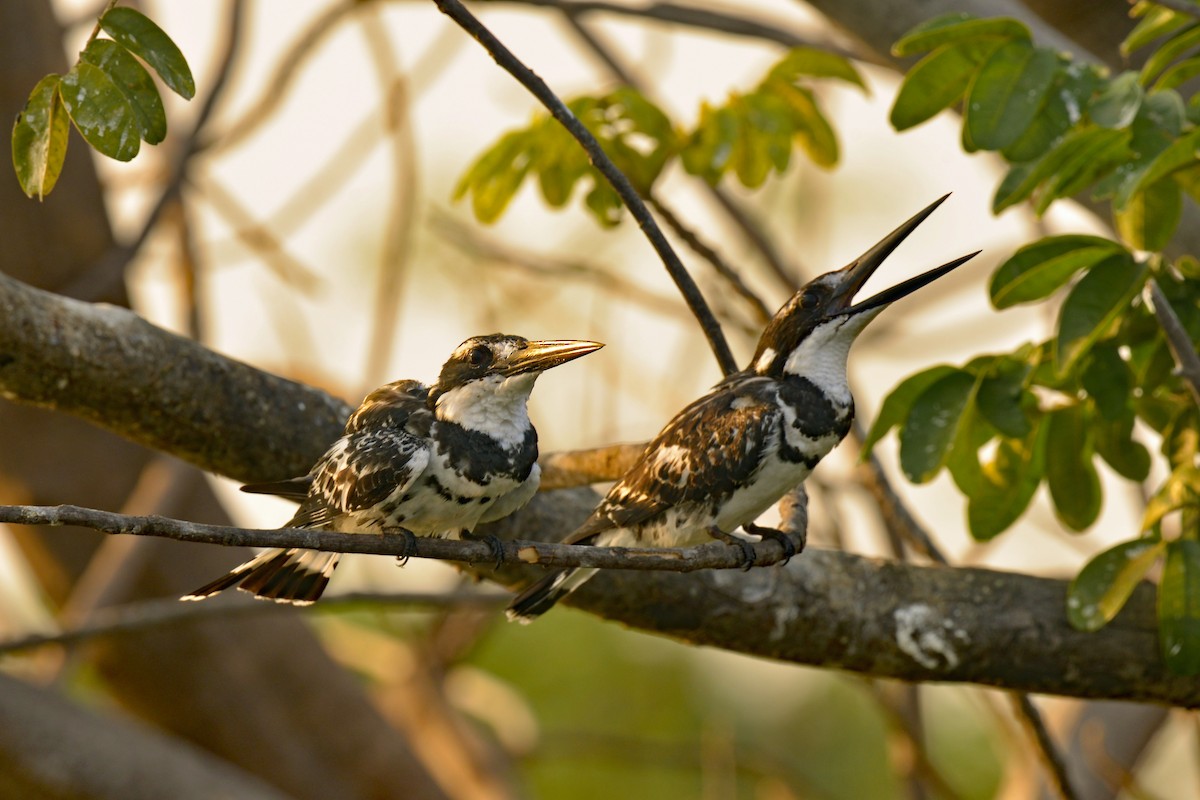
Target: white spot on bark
926,637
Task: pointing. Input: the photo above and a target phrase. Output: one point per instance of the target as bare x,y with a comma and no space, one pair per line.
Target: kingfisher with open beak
432,460
733,453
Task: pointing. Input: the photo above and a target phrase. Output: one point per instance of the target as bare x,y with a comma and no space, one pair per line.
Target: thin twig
713,555
468,239
277,87
1186,359
256,235
398,236
159,613
704,19
692,239
1045,747
687,287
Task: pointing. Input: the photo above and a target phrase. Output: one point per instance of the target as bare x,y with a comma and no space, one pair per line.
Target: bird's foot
410,544
492,541
789,546
728,538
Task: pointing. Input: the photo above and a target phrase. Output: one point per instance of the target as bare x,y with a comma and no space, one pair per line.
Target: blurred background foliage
300,215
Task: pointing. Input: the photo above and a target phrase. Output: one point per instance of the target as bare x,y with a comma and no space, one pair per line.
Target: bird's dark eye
479,356
808,300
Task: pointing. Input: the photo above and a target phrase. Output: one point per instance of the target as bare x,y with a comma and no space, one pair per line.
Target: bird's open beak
542,355
858,271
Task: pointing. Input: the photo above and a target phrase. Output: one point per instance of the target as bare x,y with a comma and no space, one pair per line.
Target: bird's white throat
821,356
495,405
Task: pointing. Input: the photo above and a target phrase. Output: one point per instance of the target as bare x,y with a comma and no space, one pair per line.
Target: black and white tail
541,596
285,576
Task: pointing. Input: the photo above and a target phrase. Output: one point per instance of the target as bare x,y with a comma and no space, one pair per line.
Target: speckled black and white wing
358,475
710,451
400,405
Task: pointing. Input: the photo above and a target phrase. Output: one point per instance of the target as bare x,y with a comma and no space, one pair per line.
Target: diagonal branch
1187,361
621,184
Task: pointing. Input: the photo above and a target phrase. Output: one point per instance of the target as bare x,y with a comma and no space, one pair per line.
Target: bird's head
490,377
811,334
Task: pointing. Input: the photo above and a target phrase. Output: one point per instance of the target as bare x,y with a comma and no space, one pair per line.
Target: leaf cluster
1066,127
750,135
108,95
1045,414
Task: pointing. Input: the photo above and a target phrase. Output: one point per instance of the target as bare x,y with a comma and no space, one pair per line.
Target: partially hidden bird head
811,334
487,379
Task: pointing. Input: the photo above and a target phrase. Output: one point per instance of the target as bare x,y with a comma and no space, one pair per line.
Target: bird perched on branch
431,460
727,457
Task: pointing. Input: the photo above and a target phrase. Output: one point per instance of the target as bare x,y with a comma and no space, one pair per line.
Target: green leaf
1179,607
1074,150
1094,302
148,42
1063,108
1179,43
496,176
1157,22
1102,587
1180,490
938,81
1079,170
956,27
809,61
1010,480
1108,380
1149,220
1000,401
1181,437
134,82
709,150
1118,102
39,139
899,401
1178,74
604,204
1070,473
1182,153
962,459
101,112
812,129
1115,444
1037,270
1005,96
931,425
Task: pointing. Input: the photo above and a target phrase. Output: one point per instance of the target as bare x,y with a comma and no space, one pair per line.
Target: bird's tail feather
541,596
285,576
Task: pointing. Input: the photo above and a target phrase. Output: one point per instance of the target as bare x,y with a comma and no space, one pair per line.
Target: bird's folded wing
710,449
362,470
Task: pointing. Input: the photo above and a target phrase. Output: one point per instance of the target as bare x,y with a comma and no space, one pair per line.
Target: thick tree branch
112,368
826,608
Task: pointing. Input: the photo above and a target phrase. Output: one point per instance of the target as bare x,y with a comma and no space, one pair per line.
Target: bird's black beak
542,355
854,275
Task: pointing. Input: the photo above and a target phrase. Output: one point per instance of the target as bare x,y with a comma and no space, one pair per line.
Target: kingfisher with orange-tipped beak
429,460
733,453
